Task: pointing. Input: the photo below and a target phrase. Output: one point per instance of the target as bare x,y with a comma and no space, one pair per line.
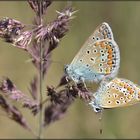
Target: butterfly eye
97,109
66,68
93,37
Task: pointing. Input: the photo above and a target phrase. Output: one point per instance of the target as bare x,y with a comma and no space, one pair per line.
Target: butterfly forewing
99,57
103,31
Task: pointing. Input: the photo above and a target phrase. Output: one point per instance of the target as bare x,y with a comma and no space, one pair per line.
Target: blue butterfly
99,57
118,92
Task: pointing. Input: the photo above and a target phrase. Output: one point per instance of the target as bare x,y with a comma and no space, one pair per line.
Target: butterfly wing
118,93
100,59
99,56
103,31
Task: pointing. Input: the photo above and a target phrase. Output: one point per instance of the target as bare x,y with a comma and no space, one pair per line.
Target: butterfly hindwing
118,92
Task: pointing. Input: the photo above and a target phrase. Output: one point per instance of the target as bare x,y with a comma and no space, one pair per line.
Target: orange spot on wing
110,51
102,45
97,44
108,47
131,91
128,88
109,62
110,56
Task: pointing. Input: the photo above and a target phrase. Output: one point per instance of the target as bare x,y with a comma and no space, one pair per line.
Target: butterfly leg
82,81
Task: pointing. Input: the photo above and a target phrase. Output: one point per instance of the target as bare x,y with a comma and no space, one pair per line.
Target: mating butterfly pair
98,61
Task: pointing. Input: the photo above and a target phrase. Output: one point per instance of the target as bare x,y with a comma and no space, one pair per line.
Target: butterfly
118,92
98,58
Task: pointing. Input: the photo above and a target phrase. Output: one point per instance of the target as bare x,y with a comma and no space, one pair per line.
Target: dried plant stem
40,86
43,40
44,101
41,98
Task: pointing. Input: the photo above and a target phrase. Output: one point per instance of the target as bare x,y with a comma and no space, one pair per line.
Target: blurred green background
80,121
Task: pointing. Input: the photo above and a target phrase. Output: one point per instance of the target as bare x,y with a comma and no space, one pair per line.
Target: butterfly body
118,92
99,57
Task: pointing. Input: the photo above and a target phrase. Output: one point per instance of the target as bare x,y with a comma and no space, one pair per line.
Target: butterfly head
66,69
96,107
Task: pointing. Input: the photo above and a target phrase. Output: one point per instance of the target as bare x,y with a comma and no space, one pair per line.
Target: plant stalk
40,77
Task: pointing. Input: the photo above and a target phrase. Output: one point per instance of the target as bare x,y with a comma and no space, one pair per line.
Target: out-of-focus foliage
80,120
